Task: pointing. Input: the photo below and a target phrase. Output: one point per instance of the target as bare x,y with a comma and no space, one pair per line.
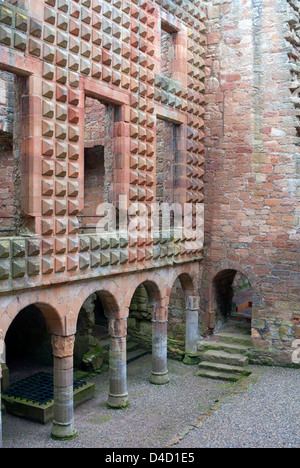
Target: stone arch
28,346
223,290
154,282
183,317
187,284
219,295
188,276
225,264
99,306
145,307
110,294
54,320
110,305
154,294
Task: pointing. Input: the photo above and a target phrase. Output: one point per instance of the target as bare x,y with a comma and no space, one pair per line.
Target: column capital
192,302
62,346
161,314
117,327
160,320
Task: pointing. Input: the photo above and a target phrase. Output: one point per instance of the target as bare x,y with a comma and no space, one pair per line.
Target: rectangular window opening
166,49
166,147
98,162
6,154
12,222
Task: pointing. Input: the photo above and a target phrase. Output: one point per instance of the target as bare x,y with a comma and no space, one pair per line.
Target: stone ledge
44,413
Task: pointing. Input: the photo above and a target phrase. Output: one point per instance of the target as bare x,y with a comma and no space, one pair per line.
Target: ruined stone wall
6,185
12,125
6,152
91,348
94,123
6,102
98,161
140,319
164,160
94,180
240,282
252,165
165,54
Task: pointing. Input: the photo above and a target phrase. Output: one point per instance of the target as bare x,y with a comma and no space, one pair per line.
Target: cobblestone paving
265,414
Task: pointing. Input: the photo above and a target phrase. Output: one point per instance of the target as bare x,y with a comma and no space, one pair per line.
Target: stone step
222,357
221,346
229,329
241,328
136,354
218,375
232,336
131,345
212,366
244,327
240,317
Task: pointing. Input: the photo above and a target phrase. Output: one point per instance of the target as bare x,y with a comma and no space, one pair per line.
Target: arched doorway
28,346
100,318
177,321
183,320
42,368
139,324
232,304
91,348
150,327
224,353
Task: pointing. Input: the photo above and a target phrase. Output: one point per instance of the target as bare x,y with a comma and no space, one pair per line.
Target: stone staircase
225,357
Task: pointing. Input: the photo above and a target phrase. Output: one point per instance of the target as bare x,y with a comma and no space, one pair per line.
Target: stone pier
118,396
63,422
159,374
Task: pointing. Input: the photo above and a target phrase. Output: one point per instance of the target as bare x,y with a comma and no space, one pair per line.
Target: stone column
63,422
1,352
191,333
159,374
118,396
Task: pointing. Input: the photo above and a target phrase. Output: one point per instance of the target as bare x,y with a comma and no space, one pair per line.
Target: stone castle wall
112,53
66,54
252,164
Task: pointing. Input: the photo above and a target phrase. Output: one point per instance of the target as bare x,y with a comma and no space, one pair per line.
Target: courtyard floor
189,412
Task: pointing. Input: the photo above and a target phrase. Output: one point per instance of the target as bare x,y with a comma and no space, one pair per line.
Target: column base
191,359
157,378
63,432
118,401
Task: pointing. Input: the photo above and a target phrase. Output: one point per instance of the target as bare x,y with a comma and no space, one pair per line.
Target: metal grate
37,388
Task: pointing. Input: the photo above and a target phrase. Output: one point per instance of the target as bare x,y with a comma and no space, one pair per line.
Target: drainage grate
37,388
